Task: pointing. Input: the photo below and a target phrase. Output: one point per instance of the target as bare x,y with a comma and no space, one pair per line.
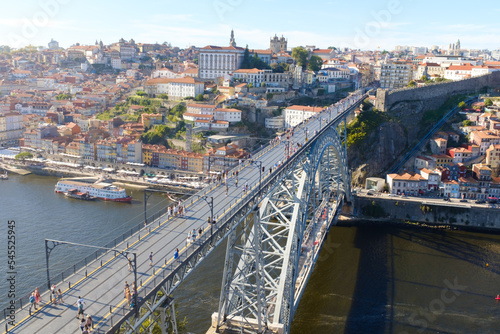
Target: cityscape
244,174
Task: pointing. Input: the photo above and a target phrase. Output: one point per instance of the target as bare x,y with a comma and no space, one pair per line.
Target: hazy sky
359,24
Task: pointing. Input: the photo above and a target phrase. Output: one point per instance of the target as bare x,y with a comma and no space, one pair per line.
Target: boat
73,193
103,191
4,176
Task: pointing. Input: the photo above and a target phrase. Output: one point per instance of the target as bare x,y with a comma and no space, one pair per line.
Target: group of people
192,237
130,293
176,210
56,297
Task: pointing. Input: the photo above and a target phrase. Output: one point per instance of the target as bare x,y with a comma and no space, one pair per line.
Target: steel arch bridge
269,259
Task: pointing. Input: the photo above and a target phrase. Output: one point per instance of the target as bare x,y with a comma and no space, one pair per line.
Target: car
403,196
464,200
393,195
480,201
369,193
446,199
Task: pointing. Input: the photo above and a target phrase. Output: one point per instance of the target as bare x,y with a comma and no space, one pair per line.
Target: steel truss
263,255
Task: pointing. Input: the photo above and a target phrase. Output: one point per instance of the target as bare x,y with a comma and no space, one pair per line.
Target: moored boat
103,191
4,176
73,193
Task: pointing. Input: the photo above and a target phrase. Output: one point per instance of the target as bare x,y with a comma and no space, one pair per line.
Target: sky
363,24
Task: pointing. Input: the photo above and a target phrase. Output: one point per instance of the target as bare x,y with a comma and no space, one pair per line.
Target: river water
369,279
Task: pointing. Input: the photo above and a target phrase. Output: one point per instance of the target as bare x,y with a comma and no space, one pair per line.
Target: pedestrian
193,234
38,298
236,175
243,188
60,296
82,324
89,322
176,255
80,304
236,182
227,189
151,259
246,186
32,302
188,240
53,294
200,232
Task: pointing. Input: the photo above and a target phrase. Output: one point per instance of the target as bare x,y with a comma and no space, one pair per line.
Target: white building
178,88
253,76
216,61
295,114
277,122
229,115
11,129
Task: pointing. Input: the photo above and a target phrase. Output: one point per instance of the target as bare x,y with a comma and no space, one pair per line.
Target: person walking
176,255
150,259
89,322
37,295
60,296
32,302
82,324
80,304
53,295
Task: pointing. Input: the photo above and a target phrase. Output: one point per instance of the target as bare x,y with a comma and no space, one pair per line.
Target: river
369,279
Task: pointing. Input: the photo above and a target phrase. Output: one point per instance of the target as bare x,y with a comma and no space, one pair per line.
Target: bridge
275,228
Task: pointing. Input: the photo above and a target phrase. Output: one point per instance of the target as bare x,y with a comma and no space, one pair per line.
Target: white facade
11,129
216,61
395,75
277,122
228,115
295,115
175,88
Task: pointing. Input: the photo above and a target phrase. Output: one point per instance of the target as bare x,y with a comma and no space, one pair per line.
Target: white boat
4,176
106,192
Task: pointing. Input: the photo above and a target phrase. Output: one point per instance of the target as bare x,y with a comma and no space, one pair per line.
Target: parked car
393,195
480,201
464,200
369,193
446,199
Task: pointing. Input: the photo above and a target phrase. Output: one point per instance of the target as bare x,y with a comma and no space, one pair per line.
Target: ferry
103,191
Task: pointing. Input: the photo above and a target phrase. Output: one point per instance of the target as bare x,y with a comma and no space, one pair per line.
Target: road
101,286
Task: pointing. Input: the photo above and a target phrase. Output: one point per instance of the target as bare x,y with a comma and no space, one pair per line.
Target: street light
211,204
51,244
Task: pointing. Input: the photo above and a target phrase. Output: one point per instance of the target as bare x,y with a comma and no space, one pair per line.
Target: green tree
315,63
245,64
300,55
199,97
141,93
163,96
63,96
412,83
23,156
488,103
467,122
462,105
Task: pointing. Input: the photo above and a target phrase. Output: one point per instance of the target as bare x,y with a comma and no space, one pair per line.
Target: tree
412,84
488,103
300,55
462,105
23,156
163,96
245,64
315,63
467,122
141,93
199,97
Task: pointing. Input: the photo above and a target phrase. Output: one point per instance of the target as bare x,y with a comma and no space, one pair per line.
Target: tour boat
4,176
106,192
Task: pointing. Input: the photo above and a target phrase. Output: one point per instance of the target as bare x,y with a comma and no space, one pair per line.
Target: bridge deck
102,287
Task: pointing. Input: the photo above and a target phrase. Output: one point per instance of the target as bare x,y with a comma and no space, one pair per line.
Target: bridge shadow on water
368,313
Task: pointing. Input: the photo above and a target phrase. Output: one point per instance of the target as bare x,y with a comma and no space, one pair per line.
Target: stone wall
432,96
398,209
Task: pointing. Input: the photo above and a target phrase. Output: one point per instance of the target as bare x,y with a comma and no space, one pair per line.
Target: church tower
232,42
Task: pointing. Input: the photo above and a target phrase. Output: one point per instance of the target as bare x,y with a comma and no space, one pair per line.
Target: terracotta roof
305,108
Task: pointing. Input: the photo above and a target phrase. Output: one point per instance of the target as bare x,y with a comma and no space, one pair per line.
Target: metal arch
254,300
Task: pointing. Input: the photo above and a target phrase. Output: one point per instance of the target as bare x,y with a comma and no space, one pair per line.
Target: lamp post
211,204
51,244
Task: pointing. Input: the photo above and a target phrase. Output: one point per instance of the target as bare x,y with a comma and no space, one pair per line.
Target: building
450,189
296,114
275,123
177,88
433,178
11,129
150,119
438,145
278,45
217,61
407,184
493,156
395,75
484,139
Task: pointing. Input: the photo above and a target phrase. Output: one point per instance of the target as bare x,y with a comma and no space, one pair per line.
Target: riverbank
436,215
127,181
